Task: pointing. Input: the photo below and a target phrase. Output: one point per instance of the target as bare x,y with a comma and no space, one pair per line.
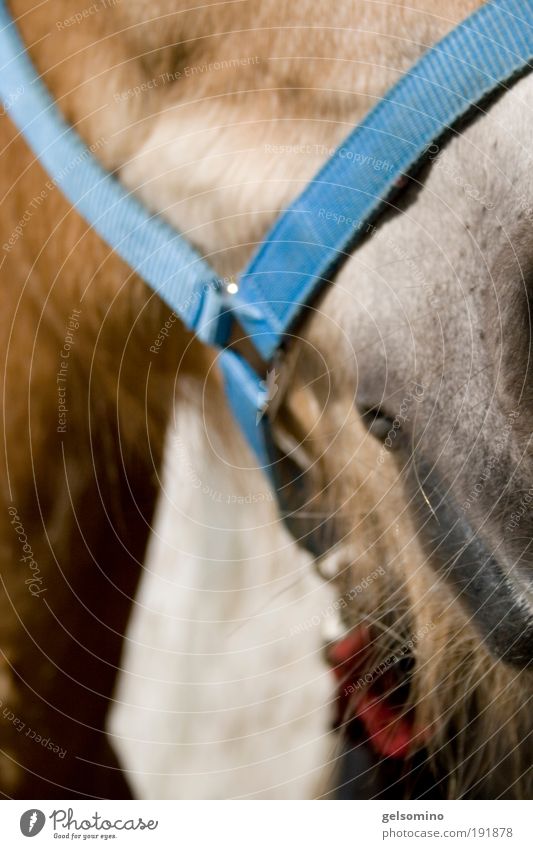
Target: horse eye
377,422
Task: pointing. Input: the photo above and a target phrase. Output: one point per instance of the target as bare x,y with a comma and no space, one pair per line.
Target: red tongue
390,732
389,727
348,652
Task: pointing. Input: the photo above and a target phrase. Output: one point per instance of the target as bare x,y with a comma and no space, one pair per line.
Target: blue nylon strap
153,249
309,241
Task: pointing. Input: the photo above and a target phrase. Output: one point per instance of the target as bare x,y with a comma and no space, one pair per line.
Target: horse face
414,391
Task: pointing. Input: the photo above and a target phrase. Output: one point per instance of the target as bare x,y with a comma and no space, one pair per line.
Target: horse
402,407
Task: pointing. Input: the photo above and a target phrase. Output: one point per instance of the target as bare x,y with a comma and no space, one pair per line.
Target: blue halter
305,248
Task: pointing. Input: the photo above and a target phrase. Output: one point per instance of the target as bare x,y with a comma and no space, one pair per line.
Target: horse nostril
378,423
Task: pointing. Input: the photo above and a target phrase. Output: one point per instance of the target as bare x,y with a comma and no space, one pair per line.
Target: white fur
220,695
